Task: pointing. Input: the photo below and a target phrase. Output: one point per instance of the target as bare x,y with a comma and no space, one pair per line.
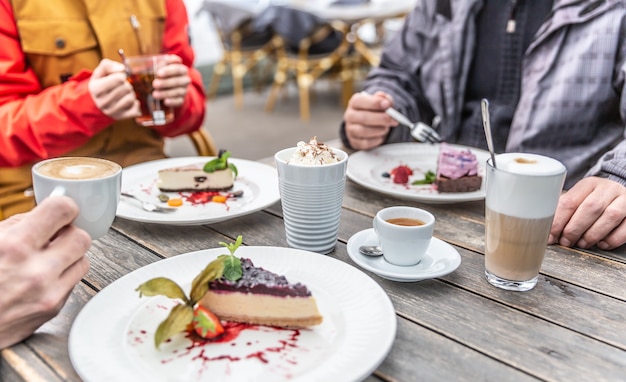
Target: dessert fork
419,130
149,206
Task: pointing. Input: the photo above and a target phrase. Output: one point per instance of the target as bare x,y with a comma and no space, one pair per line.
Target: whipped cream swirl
313,153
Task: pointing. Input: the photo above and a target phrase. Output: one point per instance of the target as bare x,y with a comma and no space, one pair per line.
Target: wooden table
571,327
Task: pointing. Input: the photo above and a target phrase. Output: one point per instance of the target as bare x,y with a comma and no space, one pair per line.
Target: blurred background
247,128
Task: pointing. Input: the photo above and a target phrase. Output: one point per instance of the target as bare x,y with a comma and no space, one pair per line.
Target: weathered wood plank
19,364
523,341
460,227
554,300
420,354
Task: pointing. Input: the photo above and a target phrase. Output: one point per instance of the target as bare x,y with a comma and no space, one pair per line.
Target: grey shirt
572,101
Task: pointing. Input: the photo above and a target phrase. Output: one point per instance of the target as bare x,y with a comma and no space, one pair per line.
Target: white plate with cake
404,170
112,338
252,188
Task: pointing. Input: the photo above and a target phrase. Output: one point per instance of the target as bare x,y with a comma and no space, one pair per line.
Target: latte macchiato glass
94,184
522,195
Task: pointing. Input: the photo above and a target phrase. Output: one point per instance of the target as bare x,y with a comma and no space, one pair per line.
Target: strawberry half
206,324
400,174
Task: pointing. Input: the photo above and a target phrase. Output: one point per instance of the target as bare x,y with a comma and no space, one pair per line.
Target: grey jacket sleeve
612,165
397,74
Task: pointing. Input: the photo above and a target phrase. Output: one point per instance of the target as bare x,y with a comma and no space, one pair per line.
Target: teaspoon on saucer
371,250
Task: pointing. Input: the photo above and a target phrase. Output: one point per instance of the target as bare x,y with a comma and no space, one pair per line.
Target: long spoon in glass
484,106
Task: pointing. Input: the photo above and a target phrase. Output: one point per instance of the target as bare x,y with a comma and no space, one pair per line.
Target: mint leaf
233,168
220,163
232,247
232,268
429,178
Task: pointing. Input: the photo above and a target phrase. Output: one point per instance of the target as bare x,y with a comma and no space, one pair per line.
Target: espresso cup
141,73
404,233
93,183
522,195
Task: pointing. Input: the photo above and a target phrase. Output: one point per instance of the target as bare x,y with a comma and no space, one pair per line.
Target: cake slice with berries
457,170
262,297
233,289
216,175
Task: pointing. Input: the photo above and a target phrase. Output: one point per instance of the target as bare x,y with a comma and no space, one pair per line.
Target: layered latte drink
522,194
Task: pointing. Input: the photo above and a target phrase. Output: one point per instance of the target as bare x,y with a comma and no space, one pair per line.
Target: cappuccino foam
76,168
525,185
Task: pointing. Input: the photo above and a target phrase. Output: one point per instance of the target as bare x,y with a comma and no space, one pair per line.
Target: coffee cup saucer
440,259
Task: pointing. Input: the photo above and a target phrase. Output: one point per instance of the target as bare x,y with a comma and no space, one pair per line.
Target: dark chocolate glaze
258,280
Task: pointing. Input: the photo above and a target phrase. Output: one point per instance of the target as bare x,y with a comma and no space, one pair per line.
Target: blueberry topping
261,281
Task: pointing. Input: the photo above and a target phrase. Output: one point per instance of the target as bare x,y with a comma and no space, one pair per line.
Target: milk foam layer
529,164
524,185
313,153
74,168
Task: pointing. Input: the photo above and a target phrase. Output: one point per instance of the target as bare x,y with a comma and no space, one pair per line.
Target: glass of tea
141,73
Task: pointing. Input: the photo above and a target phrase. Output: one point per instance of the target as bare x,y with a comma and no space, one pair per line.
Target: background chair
203,143
308,47
243,48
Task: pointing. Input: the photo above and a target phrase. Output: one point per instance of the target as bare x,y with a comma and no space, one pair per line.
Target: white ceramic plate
367,167
111,339
441,259
258,181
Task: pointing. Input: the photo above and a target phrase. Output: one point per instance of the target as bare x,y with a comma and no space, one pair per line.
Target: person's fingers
170,71
611,217
45,220
171,59
68,246
365,137
368,117
365,101
110,86
587,213
107,67
614,239
567,205
119,102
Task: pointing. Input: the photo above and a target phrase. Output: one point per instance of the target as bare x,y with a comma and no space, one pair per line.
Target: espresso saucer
441,258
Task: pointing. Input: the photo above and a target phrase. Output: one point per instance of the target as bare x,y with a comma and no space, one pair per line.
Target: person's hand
42,257
366,122
591,213
171,82
111,92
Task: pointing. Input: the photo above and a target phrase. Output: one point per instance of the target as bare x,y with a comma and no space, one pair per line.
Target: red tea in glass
141,74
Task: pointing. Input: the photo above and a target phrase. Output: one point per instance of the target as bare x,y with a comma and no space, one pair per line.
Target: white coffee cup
93,183
404,233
